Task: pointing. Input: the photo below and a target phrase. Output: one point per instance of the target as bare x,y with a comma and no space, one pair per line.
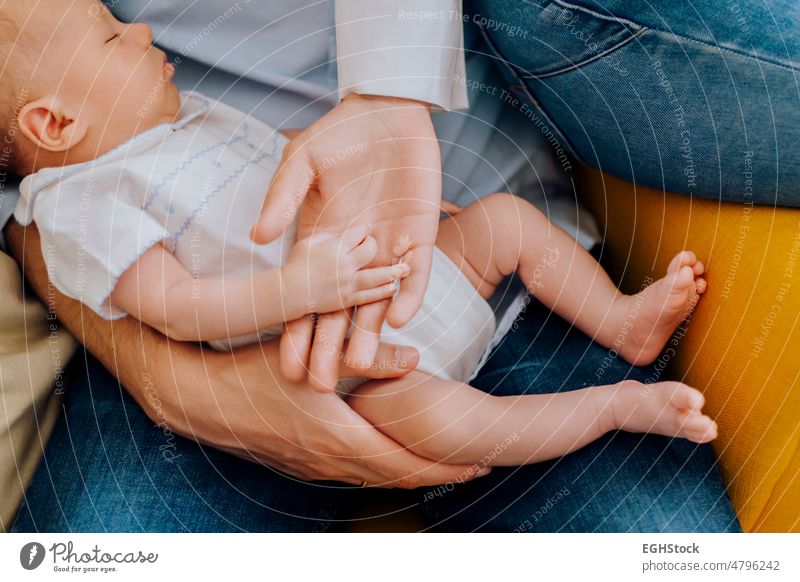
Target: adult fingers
368,278
391,361
366,454
367,296
286,193
364,341
323,367
295,348
412,288
393,466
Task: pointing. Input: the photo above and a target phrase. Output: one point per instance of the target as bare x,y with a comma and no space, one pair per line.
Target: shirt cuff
415,51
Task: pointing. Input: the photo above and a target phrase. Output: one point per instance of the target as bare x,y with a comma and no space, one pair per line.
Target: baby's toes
699,268
686,398
682,259
700,285
698,428
683,281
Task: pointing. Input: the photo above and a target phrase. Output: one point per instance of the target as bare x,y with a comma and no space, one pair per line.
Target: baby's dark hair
13,59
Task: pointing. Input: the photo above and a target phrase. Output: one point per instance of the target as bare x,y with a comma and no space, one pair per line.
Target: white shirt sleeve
412,49
90,236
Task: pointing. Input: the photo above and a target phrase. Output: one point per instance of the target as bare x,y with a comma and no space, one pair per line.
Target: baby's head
75,82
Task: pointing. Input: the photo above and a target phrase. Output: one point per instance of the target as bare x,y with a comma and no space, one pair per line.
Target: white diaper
454,330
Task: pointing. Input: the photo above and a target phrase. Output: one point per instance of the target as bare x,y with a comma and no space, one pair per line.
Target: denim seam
527,94
689,39
330,508
606,17
585,62
551,124
760,60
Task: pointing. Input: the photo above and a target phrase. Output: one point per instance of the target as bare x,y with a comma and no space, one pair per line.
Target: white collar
192,106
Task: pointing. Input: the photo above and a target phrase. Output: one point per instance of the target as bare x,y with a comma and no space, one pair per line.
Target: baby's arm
325,273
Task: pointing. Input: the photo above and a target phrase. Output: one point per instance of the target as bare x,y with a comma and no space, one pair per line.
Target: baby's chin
173,90
174,109
167,109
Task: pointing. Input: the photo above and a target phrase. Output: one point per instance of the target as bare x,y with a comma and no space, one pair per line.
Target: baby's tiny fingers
367,278
365,252
374,294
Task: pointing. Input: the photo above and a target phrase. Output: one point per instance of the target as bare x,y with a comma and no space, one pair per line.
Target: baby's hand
327,272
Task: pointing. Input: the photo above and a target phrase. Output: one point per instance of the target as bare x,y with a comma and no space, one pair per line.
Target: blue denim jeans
699,98
108,468
621,483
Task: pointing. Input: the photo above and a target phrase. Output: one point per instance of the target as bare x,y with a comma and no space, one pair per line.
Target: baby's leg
501,233
456,423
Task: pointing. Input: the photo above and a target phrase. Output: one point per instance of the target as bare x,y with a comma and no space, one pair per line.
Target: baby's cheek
145,91
82,81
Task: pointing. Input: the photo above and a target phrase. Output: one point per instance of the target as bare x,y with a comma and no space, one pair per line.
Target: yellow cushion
742,347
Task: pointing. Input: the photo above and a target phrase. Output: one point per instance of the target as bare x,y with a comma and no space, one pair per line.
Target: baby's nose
141,32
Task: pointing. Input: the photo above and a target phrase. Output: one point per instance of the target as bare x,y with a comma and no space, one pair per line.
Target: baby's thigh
431,416
417,404
485,239
394,400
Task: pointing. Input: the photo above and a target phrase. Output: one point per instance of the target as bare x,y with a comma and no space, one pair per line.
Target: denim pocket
531,108
553,37
541,42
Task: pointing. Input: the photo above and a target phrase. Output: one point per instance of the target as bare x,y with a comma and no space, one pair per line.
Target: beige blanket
33,353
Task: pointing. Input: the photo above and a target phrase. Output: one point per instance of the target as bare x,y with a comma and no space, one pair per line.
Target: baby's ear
45,123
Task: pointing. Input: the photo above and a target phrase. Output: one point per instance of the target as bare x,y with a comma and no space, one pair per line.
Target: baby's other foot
660,308
668,408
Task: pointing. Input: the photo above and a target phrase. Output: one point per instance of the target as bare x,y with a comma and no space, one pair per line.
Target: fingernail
407,357
400,270
482,471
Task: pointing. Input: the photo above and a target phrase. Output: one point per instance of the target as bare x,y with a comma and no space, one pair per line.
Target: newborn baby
144,198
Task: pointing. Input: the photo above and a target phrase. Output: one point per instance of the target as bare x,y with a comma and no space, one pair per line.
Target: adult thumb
285,195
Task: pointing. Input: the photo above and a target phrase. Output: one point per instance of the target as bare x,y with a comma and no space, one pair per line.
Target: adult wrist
389,100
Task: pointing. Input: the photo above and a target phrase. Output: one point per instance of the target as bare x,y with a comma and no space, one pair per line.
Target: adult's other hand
370,159
236,401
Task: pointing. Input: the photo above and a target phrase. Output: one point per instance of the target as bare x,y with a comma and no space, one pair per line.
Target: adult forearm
237,401
131,351
172,381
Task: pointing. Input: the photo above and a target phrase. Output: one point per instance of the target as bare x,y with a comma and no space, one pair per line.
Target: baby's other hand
328,271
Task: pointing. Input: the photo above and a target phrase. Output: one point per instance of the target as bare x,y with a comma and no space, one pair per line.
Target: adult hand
371,159
237,401
289,426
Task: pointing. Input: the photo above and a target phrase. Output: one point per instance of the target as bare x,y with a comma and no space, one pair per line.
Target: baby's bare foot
654,313
668,408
